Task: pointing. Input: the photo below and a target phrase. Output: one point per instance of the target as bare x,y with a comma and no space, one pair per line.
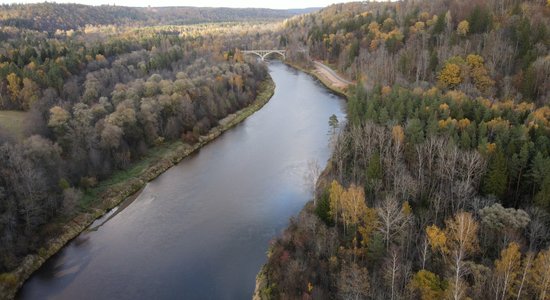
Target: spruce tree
496,178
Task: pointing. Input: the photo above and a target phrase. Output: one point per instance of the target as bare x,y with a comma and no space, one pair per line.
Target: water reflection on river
201,230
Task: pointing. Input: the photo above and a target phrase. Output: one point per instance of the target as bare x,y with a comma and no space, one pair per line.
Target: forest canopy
51,16
438,184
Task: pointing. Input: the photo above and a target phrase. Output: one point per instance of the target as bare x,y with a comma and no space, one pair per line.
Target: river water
201,230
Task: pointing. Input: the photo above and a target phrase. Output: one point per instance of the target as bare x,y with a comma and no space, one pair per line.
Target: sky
276,4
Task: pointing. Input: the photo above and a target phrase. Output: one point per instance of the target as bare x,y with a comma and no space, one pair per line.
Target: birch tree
462,232
540,275
392,218
456,243
507,269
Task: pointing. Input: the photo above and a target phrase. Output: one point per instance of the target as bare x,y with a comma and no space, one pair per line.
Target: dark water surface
201,230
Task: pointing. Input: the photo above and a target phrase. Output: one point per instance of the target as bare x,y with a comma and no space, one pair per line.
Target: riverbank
263,287
121,185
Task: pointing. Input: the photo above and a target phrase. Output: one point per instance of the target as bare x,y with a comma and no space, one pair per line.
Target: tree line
52,17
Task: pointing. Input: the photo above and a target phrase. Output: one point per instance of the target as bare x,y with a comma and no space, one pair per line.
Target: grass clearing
12,122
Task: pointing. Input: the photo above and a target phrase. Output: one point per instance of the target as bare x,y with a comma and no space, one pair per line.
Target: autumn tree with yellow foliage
456,243
450,76
14,86
463,28
456,70
353,206
335,198
507,270
349,206
539,279
479,73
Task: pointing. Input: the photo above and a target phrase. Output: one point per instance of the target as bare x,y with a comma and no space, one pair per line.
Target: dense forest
96,99
439,183
51,17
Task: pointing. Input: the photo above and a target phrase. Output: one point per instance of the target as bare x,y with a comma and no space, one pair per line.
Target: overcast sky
278,4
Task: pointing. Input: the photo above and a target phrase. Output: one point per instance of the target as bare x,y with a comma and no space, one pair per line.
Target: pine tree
322,210
439,25
415,131
335,199
496,179
428,285
374,169
480,19
543,196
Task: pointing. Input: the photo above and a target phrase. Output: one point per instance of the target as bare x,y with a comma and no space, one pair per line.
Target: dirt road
328,74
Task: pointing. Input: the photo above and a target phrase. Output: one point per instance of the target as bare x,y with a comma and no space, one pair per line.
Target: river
201,230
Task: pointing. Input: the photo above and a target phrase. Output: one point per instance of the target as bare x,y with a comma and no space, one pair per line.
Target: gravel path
331,76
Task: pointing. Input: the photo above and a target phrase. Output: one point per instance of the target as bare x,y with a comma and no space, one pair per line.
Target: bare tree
339,153
392,218
353,282
537,229
472,164
29,185
392,271
447,158
357,137
310,178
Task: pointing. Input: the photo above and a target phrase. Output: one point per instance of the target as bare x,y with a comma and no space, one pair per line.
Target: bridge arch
281,53
264,53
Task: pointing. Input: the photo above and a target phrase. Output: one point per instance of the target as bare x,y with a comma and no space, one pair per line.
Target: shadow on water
62,268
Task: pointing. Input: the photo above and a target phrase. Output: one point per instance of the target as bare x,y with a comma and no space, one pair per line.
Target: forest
86,102
51,17
439,182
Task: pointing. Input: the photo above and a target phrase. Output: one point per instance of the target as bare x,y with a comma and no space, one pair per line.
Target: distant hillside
190,15
51,16
301,11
